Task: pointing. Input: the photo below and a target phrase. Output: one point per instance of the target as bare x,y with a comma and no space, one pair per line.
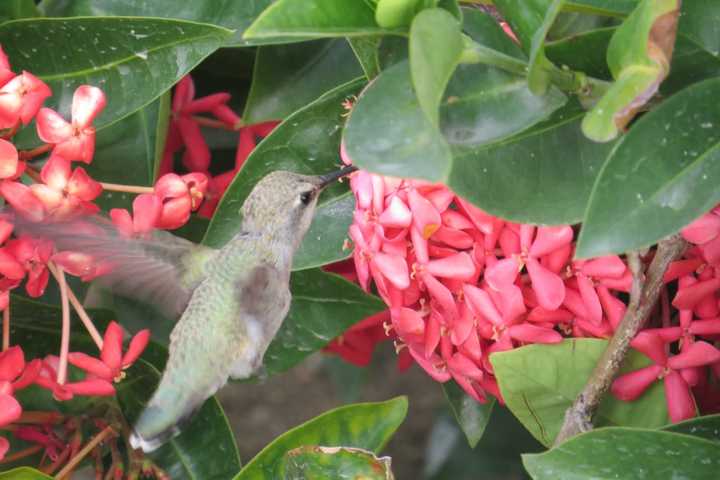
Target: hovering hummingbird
230,301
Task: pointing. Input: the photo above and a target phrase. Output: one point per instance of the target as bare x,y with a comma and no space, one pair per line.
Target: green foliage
363,425
335,462
23,473
471,416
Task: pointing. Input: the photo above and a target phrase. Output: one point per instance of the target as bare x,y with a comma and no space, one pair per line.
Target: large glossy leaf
24,473
231,14
133,60
287,77
341,463
707,427
366,51
627,453
699,22
314,18
306,142
542,175
389,133
436,44
324,242
639,57
364,425
186,456
613,8
323,307
130,152
471,416
661,175
540,382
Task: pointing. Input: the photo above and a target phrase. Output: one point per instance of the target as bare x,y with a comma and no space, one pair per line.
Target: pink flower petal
549,239
396,215
590,299
442,295
459,266
10,410
93,387
111,353
702,230
652,346
613,307
91,365
528,333
462,326
461,365
456,220
12,363
481,304
630,386
610,266
51,127
548,287
456,239
146,212
680,403
434,365
394,268
409,325
503,273
8,159
540,315
681,268
87,102
690,296
426,218
136,347
696,355
4,447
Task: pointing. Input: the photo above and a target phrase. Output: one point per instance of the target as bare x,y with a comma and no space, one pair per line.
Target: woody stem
644,295
106,432
116,187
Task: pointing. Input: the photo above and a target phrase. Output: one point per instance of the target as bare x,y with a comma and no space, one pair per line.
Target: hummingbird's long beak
328,178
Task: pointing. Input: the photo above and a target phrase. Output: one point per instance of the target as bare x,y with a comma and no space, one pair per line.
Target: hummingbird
230,301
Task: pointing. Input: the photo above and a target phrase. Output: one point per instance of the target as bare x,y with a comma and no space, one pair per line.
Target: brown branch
643,297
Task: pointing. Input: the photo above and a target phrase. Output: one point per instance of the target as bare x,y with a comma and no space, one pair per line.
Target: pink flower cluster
461,284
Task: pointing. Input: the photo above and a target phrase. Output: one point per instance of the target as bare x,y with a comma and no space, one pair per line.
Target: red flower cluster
461,284
185,132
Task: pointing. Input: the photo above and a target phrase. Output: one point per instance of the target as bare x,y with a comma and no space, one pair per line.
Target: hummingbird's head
283,203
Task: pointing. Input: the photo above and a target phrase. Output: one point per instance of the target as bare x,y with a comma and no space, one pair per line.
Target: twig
65,339
21,454
107,431
80,310
643,297
6,328
116,187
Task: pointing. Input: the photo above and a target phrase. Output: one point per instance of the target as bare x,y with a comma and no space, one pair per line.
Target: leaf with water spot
660,177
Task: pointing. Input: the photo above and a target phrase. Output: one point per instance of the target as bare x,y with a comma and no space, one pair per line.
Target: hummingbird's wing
161,270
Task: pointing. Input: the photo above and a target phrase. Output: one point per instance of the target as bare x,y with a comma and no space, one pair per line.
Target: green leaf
639,57
323,306
342,463
307,142
531,20
699,22
626,453
325,239
363,425
661,175
14,9
24,473
315,19
542,175
231,14
387,131
130,152
612,8
436,45
366,52
288,77
471,416
133,60
186,456
540,382
707,427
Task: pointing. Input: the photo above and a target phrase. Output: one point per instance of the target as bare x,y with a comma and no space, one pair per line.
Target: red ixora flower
147,208
109,367
75,140
21,97
15,374
179,196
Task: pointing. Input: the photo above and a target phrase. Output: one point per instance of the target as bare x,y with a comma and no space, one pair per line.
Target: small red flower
179,196
66,193
33,254
15,374
20,99
112,362
357,344
22,199
75,140
147,208
90,386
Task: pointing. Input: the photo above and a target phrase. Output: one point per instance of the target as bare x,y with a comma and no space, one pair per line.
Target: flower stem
106,432
116,187
65,339
35,152
643,298
21,454
80,310
6,328
40,417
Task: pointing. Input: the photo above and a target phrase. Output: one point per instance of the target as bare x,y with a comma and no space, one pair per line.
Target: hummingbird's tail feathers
157,426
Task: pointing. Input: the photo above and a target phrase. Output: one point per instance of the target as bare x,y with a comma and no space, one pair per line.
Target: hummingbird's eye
305,197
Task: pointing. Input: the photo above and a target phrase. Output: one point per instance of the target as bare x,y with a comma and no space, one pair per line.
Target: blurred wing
162,270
